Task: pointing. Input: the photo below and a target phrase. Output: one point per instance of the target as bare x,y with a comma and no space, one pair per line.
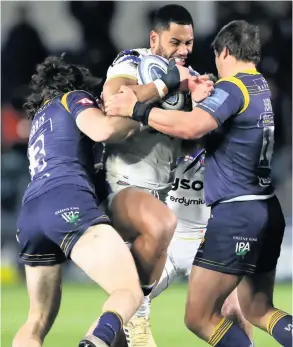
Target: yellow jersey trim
64,102
242,87
250,71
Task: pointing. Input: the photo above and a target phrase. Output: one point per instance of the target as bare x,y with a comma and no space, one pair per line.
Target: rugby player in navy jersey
245,232
60,218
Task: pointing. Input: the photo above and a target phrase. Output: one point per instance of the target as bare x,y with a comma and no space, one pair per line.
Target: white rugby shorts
119,182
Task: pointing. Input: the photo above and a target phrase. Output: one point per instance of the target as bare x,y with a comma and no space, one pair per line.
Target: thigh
234,238
105,258
135,211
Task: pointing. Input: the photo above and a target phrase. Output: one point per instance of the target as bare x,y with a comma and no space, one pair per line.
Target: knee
193,321
231,310
132,291
256,311
256,317
170,224
133,295
234,314
163,230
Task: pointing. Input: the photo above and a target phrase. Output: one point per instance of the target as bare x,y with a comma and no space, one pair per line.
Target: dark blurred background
93,33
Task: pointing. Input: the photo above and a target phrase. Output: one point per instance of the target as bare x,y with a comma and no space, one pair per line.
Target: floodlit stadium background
93,33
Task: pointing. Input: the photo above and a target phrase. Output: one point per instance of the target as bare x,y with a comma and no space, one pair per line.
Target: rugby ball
152,67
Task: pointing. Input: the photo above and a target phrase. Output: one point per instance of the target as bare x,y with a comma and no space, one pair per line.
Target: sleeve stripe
129,57
243,89
64,102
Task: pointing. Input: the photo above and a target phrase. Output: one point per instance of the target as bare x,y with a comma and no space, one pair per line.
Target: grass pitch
81,305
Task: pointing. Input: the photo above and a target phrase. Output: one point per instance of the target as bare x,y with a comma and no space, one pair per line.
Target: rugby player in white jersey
142,168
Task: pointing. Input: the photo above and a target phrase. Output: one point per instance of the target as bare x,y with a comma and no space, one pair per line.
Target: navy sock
280,326
108,327
229,334
147,289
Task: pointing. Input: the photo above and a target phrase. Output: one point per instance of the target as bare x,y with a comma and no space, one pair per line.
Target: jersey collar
249,71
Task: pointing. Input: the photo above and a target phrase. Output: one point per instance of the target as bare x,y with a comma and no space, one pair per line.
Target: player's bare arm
144,93
186,125
193,125
175,79
101,128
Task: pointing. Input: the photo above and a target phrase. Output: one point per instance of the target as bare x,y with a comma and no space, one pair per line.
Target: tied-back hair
55,77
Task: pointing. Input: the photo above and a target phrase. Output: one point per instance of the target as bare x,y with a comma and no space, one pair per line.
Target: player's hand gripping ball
153,67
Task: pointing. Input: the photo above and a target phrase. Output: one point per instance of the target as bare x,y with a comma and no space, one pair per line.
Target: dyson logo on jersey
187,202
187,184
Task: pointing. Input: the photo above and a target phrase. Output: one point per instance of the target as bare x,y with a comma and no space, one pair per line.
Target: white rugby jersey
147,159
186,198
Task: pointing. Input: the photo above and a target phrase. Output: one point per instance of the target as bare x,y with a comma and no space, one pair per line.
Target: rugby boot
92,341
138,332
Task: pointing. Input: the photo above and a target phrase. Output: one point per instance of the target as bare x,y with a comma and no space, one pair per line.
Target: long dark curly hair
55,77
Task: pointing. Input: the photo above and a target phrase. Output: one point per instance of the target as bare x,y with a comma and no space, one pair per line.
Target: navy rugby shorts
50,225
242,238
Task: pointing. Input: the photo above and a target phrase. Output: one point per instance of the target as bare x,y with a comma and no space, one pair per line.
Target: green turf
82,304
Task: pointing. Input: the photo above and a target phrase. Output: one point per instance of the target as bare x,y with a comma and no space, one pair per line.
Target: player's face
177,42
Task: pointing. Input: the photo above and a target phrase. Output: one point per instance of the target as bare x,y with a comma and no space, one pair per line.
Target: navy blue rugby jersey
239,151
58,152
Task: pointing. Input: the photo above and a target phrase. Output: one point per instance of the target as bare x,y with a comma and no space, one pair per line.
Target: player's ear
153,39
225,52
